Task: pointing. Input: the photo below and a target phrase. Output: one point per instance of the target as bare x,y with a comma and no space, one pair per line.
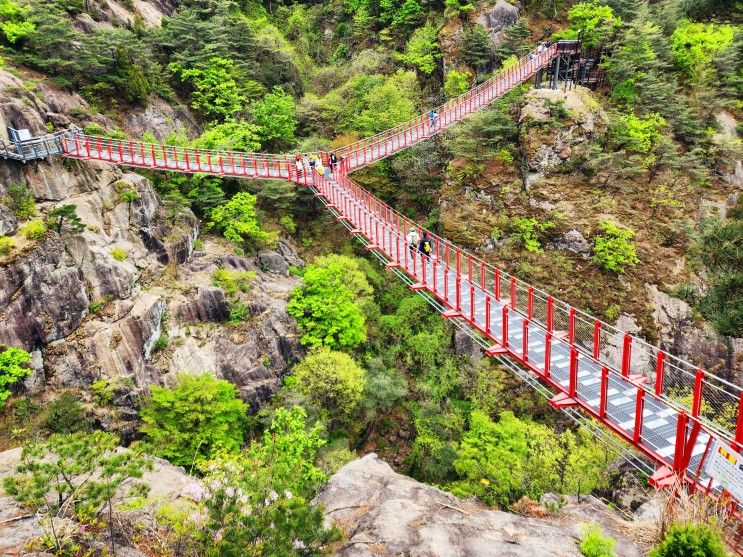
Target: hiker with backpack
425,244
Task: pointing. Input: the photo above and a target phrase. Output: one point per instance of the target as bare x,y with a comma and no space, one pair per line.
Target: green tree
481,136
714,10
685,540
694,45
456,83
133,83
595,544
259,503
387,104
199,418
216,92
82,476
422,50
275,116
516,41
13,368
332,380
720,250
327,304
14,21
21,200
593,22
408,16
230,136
65,218
475,49
613,249
237,220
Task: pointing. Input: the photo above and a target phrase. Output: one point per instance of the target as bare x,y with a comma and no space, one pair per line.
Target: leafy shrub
529,229
94,129
22,200
119,254
161,343
103,392
612,312
593,21
332,380
194,421
216,91
288,224
326,305
198,244
14,21
233,282
595,544
13,367
238,312
237,220
456,83
612,248
690,539
34,229
6,245
129,196
65,415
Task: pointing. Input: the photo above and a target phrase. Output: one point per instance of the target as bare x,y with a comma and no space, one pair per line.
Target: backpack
426,246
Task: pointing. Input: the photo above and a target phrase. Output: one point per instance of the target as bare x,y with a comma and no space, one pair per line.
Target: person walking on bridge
425,246
413,239
298,164
333,162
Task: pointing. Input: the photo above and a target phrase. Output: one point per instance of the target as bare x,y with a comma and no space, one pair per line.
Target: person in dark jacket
425,244
333,162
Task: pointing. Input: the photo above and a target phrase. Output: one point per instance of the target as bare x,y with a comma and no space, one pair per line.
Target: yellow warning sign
726,466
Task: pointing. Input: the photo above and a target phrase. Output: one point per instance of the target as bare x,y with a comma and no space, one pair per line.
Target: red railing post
550,313
660,369
678,454
739,426
697,402
571,326
626,354
596,339
504,342
547,353
472,304
525,341
530,302
604,391
459,292
487,320
573,371
638,414
482,275
496,285
513,292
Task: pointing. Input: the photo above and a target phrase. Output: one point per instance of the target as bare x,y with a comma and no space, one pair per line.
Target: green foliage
288,224
516,42
499,462
384,388
327,307
332,380
685,540
595,544
199,418
65,415
593,21
259,503
161,343
475,49
238,312
14,22
613,249
129,196
119,254
422,50
481,136
456,83
529,229
216,91
230,136
103,392
13,367
387,104
80,476
65,218
133,84
695,44
33,229
237,220
232,281
7,245
21,200
275,115
720,249
638,134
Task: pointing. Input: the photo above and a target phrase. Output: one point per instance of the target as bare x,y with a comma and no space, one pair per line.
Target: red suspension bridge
686,421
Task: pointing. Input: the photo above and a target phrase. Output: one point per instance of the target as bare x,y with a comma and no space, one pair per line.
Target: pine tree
476,48
516,41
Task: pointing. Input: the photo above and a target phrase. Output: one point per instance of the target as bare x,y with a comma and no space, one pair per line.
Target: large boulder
385,513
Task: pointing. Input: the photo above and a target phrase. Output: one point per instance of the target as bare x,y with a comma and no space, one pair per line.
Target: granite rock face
385,513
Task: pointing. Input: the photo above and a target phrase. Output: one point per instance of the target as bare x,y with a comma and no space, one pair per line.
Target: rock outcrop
385,513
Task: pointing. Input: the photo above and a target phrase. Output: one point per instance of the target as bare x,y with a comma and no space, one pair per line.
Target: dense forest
382,372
